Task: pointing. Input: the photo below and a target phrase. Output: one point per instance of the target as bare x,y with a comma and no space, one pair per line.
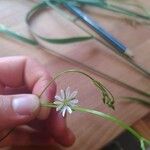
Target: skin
23,75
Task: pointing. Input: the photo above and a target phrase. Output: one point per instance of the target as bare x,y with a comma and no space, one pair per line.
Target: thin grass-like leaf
139,100
122,10
108,98
15,35
69,40
143,141
66,40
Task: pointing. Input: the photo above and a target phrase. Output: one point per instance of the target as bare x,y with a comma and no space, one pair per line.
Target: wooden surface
91,132
143,126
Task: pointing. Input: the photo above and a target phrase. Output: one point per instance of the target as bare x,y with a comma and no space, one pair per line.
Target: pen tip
129,53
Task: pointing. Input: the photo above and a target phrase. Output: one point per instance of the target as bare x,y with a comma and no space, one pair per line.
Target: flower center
66,102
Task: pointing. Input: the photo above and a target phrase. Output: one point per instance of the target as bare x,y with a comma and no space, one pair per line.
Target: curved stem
113,119
107,96
107,117
60,74
64,72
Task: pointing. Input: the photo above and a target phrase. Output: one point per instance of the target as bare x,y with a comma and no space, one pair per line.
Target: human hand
20,75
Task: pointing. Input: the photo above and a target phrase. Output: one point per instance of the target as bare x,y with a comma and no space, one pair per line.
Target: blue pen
119,46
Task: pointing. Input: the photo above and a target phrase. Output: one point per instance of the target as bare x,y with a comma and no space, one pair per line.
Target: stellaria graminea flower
66,101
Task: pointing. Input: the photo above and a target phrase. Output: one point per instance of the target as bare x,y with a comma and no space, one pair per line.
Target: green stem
4,30
142,145
107,96
113,119
107,117
50,105
60,74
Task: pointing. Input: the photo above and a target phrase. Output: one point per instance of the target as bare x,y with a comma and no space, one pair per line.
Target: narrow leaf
67,40
138,100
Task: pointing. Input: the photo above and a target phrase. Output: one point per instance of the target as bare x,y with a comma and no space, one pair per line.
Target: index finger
20,70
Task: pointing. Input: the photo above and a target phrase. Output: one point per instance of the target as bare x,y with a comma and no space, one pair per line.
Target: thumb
17,109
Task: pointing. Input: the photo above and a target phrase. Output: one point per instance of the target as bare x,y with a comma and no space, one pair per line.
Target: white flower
2,27
66,101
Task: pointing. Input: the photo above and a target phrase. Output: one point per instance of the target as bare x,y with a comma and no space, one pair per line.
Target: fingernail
25,104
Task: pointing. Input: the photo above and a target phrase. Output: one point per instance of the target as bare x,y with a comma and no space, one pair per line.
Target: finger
17,110
19,90
58,129
37,79
20,71
11,71
23,136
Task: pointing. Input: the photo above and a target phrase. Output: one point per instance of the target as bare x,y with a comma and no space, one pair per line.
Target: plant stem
60,74
107,117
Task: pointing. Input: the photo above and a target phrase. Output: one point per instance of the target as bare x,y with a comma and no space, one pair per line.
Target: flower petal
66,101
67,93
58,98
58,102
73,94
59,107
62,92
69,109
74,101
72,105
64,111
